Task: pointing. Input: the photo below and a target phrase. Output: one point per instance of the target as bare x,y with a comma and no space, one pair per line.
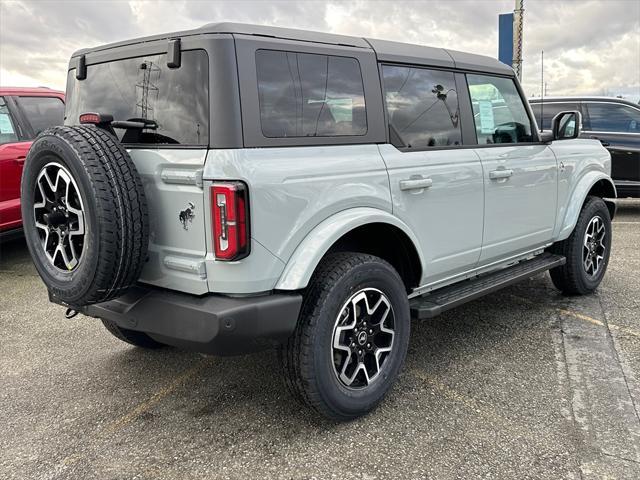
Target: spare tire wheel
84,214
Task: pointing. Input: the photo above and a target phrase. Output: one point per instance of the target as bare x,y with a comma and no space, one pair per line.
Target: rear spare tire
84,214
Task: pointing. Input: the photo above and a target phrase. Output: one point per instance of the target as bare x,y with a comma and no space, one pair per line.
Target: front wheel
352,336
587,250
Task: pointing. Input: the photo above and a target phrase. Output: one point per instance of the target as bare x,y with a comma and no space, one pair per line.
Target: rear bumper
209,324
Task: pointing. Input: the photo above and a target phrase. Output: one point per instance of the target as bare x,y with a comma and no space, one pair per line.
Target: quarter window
310,95
608,117
498,110
42,112
422,106
7,130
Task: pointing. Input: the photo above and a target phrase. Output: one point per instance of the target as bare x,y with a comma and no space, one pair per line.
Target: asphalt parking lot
524,383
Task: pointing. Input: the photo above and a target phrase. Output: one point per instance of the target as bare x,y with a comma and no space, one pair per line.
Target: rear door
520,174
436,186
617,126
13,151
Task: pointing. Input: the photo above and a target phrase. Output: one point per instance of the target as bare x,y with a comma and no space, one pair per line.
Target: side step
438,301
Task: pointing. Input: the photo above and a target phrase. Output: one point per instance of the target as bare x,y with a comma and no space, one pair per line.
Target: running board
438,301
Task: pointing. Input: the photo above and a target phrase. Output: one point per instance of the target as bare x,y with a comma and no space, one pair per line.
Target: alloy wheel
59,217
593,246
363,338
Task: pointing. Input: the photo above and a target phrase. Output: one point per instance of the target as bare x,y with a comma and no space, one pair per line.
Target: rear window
177,100
310,95
42,112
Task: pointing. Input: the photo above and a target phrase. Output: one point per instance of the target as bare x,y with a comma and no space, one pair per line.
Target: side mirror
566,125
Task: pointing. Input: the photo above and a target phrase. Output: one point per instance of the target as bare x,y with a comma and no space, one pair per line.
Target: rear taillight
230,214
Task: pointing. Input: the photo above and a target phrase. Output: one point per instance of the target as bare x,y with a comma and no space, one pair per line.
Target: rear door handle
415,184
503,173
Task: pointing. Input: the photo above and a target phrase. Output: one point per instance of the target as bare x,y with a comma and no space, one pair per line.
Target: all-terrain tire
139,339
114,246
308,358
572,278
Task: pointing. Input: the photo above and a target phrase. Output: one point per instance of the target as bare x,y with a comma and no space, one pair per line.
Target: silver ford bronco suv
237,187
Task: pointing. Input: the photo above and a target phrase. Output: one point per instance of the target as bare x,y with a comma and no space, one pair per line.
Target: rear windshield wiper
131,123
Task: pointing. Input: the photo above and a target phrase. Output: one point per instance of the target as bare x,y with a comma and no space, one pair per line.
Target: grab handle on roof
81,68
173,53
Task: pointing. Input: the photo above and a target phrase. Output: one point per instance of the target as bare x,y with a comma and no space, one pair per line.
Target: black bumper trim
210,324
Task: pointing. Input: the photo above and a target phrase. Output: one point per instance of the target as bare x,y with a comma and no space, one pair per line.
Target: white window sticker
5,124
487,124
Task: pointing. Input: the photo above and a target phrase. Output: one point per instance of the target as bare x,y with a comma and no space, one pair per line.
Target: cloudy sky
591,46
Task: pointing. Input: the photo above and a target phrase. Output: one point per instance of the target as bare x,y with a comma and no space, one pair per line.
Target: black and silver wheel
594,246
363,338
84,214
351,338
59,216
587,250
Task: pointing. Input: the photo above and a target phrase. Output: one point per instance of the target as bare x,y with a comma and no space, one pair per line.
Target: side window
42,112
423,107
309,95
498,110
550,110
7,130
611,117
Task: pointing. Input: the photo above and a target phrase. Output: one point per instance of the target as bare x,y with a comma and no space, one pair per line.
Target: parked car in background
24,113
614,121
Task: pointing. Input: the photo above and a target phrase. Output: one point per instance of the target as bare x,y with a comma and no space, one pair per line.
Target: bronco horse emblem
186,216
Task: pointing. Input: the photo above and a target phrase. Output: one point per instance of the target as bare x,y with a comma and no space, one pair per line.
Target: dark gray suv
613,121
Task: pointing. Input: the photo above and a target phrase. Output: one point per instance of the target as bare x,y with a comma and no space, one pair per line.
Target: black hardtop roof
386,51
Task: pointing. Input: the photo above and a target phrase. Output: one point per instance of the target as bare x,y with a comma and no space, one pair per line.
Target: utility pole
145,86
518,21
541,88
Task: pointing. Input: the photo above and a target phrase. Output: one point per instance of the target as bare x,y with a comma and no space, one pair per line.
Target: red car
24,113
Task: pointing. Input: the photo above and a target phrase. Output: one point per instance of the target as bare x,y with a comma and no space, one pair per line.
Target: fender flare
307,255
577,198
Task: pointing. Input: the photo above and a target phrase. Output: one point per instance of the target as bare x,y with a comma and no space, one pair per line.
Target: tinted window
549,111
308,95
422,106
42,112
498,110
609,117
7,129
176,99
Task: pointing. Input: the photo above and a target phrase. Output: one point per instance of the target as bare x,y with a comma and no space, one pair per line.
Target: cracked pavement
524,383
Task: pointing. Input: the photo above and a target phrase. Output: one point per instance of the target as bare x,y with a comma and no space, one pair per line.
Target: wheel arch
592,184
363,230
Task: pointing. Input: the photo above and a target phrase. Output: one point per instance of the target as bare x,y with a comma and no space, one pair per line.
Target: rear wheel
587,250
352,336
139,339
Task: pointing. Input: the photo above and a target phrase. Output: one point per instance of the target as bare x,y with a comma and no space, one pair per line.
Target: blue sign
505,38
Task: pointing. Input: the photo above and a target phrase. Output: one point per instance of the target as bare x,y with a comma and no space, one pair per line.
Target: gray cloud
591,46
